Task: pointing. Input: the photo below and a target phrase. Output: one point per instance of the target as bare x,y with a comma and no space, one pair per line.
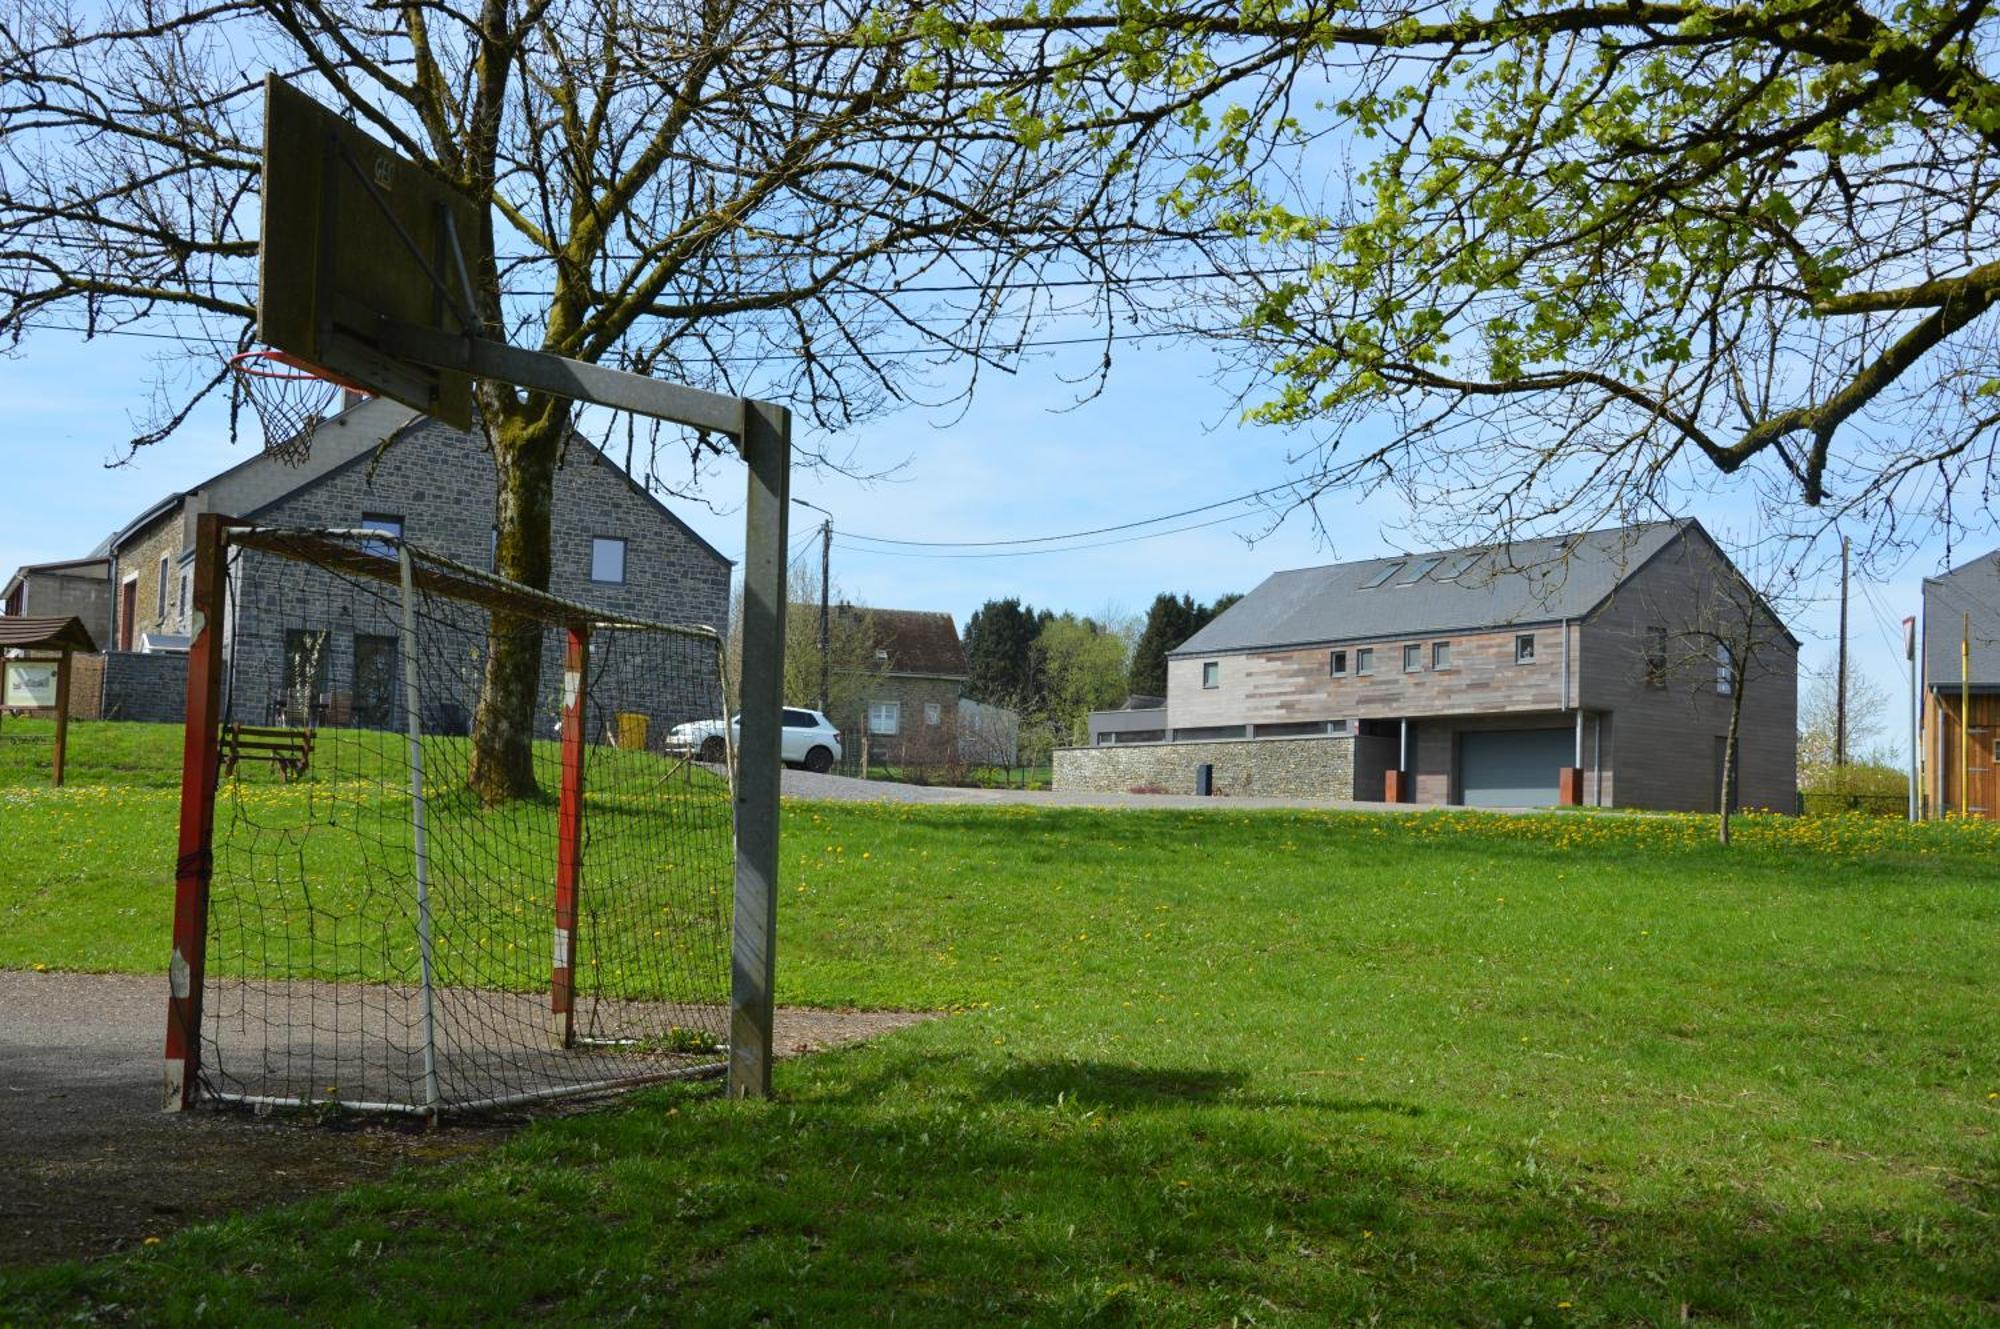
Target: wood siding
1273,687
1942,770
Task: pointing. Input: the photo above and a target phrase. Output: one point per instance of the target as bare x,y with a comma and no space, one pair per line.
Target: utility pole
1916,730
825,583
1840,685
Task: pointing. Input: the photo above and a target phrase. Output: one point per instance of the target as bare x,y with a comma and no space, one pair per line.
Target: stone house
1594,669
909,708
382,466
76,588
1960,739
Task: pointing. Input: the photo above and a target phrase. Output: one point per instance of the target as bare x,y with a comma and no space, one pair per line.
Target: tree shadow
1124,1086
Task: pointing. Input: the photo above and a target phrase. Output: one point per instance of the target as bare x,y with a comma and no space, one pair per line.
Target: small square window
1524,648
933,713
389,524
1364,660
607,559
1440,655
1413,659
1211,674
1336,663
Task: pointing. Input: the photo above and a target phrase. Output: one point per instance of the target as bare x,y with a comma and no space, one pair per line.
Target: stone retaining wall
1267,768
145,687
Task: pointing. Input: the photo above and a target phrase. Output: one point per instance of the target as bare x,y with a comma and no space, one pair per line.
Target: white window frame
1524,648
933,714
1725,670
1211,674
880,712
624,551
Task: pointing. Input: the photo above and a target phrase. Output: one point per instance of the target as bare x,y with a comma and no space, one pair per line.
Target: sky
1024,460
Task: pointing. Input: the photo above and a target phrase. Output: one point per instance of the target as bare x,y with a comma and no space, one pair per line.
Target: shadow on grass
1126,1087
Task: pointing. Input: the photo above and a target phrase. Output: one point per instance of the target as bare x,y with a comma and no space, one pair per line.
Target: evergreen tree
999,643
1169,622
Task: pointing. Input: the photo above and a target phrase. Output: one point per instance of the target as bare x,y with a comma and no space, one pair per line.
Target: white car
809,739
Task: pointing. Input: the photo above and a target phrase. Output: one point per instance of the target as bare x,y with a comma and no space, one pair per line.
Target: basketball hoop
291,397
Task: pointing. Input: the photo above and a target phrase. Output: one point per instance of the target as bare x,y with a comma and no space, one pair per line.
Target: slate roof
1972,588
1480,586
919,641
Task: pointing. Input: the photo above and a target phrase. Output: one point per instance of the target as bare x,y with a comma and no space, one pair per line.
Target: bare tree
820,200
1719,639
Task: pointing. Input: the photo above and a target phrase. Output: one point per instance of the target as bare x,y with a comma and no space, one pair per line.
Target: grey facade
1479,663
305,648
79,588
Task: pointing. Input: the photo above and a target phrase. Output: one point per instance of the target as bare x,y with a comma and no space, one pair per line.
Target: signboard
30,684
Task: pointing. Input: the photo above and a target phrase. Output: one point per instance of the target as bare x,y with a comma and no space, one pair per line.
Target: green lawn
1270,1068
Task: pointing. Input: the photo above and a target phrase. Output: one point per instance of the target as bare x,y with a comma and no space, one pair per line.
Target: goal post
354,926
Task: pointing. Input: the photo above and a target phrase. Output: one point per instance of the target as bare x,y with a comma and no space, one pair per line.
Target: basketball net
292,397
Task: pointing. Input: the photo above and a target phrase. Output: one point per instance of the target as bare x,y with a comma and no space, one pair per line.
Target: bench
290,750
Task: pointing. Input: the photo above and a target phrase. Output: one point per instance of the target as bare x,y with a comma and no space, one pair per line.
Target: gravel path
93,1165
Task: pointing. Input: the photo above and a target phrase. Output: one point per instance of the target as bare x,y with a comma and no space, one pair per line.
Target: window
933,713
1725,670
187,590
1524,648
386,522
1656,657
798,719
1382,576
374,681
1440,655
1364,660
1336,663
1413,659
160,607
884,717
607,559
1211,674
1420,570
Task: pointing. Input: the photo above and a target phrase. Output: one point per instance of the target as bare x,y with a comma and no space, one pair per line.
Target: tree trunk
525,450
1729,761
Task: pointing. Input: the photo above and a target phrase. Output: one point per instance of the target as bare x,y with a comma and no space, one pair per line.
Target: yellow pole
1965,715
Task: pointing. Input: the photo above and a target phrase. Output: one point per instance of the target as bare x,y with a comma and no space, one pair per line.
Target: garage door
1513,768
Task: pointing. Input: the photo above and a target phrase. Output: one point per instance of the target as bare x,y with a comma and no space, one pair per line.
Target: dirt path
93,1165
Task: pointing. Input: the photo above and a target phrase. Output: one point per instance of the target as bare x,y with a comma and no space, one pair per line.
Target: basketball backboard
358,240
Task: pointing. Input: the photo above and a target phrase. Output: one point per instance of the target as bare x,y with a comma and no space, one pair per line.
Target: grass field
1271,1068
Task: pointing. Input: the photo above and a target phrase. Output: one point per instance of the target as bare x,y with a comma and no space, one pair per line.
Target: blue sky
1022,461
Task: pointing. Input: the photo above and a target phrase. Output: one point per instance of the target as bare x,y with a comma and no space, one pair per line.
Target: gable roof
1476,586
27,570
919,641
1971,588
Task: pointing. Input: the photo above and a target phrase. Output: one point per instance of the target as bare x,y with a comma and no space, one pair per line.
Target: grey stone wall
441,484
144,687
915,740
1268,768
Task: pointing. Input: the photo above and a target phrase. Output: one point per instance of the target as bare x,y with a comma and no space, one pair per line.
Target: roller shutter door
1512,768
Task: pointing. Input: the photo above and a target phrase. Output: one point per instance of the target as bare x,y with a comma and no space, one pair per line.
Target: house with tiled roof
910,705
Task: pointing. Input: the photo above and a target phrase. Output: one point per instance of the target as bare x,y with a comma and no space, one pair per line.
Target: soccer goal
374,933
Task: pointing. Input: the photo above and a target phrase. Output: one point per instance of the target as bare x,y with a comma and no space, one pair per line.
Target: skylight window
1420,571
1456,566
1382,576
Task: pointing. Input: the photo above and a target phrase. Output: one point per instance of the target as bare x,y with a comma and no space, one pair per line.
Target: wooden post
62,714
569,838
767,447
196,864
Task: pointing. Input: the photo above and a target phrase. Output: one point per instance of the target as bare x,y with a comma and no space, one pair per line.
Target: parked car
808,739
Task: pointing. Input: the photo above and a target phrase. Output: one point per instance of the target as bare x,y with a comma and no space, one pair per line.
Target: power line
1028,553
1078,535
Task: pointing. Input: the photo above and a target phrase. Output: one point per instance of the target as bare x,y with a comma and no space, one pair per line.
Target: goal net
380,936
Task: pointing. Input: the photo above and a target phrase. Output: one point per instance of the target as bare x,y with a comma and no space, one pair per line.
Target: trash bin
1204,779
632,728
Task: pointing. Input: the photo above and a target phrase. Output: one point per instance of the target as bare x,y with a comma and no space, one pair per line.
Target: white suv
809,739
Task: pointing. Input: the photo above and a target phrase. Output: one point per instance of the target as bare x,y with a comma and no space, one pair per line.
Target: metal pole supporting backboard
767,445
200,763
